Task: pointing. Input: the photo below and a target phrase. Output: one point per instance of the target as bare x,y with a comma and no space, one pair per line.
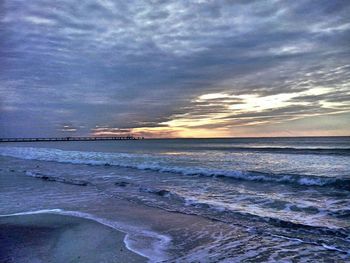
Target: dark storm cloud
129,64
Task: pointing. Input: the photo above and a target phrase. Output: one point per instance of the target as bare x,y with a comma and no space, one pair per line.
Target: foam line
155,251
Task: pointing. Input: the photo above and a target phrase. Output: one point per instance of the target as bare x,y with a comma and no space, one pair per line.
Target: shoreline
52,237
160,225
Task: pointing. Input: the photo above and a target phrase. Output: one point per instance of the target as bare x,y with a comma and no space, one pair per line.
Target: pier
64,139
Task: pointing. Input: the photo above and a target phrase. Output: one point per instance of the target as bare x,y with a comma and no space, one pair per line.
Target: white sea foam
155,163
44,211
144,242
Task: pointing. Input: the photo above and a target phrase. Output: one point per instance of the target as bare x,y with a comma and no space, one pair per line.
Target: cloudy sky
175,68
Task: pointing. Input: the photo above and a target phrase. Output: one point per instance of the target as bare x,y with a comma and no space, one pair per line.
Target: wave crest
151,163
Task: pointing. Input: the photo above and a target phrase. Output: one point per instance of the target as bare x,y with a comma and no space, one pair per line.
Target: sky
177,68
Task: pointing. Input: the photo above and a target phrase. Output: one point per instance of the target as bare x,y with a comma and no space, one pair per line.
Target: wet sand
76,228
59,238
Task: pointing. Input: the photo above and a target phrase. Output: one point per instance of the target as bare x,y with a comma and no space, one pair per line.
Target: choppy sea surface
267,199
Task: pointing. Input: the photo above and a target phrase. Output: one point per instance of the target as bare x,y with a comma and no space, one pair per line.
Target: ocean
194,200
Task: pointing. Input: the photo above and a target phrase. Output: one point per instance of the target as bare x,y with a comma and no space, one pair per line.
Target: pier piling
55,139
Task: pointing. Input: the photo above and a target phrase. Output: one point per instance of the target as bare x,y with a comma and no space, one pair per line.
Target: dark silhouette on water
54,139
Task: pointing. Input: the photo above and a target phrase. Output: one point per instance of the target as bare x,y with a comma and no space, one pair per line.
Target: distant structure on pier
59,139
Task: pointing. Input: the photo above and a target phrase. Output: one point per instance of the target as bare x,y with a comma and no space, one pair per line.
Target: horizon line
187,138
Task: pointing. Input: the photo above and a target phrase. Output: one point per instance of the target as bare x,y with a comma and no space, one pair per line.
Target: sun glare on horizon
174,68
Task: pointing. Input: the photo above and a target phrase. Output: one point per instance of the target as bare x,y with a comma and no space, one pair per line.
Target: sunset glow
174,69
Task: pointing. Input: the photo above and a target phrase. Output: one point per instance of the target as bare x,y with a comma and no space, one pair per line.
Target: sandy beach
78,203
59,238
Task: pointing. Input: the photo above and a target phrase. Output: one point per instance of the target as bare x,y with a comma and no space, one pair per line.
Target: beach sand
58,238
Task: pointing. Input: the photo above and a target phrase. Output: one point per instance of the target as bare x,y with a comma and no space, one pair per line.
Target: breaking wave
159,164
286,150
58,179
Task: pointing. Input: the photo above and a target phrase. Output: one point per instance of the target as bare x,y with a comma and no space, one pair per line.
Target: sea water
266,199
